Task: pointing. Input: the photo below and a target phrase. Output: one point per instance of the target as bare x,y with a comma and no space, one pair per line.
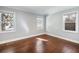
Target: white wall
54,25
25,25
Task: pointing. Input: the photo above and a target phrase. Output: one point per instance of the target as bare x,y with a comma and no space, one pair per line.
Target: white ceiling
41,10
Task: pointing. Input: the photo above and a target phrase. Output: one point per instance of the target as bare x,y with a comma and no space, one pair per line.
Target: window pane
39,23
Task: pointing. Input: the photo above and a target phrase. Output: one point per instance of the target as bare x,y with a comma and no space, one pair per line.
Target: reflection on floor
40,44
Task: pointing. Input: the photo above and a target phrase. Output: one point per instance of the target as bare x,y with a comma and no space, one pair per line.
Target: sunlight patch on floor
39,45
69,49
9,50
41,39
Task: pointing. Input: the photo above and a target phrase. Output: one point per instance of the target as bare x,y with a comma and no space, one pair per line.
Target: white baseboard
71,40
10,40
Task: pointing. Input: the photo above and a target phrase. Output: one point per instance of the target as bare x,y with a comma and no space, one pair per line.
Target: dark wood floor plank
50,45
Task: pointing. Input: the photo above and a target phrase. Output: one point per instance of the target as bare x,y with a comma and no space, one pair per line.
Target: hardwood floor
40,44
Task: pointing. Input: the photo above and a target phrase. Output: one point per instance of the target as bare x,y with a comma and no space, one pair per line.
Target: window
39,23
6,21
71,21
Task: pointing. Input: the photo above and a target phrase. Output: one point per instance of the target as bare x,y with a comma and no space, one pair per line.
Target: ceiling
41,10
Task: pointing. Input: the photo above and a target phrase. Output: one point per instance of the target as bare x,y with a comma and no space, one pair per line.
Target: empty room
39,29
